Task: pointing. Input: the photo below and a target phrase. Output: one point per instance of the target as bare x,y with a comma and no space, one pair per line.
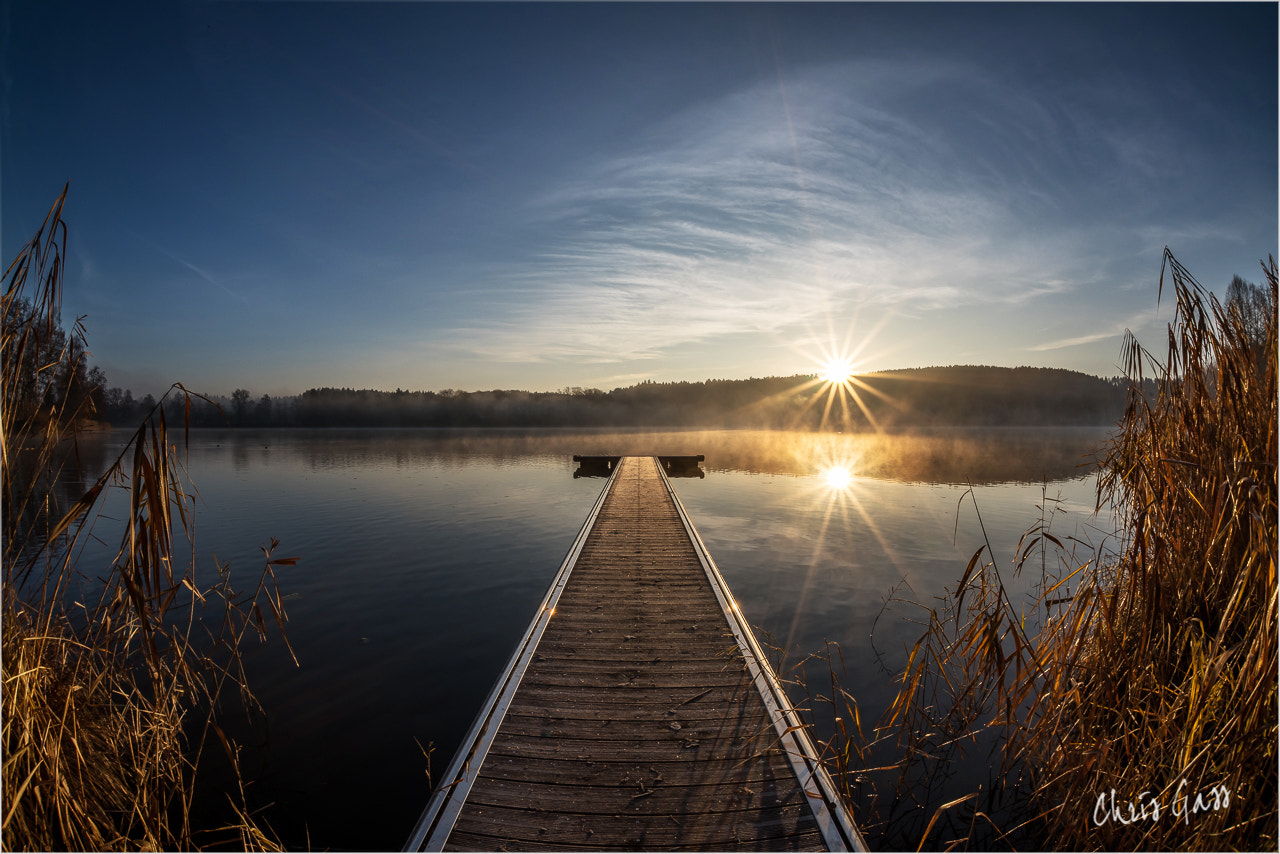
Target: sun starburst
837,370
838,477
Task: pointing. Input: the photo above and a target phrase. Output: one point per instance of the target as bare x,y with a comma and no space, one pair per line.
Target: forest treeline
958,395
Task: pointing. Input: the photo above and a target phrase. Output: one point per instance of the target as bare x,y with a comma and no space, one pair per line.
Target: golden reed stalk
109,675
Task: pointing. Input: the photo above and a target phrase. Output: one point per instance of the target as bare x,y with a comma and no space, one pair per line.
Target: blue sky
279,196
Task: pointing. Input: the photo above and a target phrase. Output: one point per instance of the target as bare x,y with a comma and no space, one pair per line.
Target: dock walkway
637,712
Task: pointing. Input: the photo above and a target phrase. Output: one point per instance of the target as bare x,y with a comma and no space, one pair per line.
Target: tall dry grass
1160,675
1133,704
111,674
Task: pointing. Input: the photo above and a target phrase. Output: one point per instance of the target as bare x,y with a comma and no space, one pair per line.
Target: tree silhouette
240,404
1249,302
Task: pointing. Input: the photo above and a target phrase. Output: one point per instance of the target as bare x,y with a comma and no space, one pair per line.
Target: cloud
1157,236
1144,321
1079,340
203,274
762,210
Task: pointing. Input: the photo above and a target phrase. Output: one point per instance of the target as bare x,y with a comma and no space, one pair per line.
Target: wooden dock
637,712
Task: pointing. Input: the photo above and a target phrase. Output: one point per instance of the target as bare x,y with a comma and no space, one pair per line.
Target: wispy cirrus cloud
1146,323
205,276
904,187
1110,332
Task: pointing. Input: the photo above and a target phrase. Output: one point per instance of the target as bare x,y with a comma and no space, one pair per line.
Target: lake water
423,554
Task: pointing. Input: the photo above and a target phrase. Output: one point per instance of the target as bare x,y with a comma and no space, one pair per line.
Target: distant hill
960,395
981,395
963,395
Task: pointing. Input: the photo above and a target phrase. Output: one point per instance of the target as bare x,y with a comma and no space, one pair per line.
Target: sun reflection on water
837,477
838,500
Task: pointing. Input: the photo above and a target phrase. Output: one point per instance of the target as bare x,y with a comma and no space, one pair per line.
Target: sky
282,196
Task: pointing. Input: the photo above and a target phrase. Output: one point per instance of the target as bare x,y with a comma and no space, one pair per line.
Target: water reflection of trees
68,472
955,455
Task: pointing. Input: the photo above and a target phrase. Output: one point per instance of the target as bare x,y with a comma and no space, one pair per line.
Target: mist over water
941,455
423,554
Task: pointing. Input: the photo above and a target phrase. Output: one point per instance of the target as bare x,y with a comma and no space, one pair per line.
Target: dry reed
1133,704
1160,674
110,678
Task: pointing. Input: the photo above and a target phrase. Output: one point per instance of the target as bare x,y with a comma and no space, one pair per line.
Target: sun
837,371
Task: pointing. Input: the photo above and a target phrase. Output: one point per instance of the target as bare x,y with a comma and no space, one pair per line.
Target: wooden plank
625,622
800,841
636,832
664,698
653,796
692,742
649,667
568,651
609,676
598,715
581,603
765,766
706,704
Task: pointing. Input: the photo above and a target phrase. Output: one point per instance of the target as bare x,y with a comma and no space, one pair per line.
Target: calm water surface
424,553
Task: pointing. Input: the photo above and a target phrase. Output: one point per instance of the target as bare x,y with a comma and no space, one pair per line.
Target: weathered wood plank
665,698
609,677
765,766
625,649
645,662
691,743
801,841
586,711
655,796
634,831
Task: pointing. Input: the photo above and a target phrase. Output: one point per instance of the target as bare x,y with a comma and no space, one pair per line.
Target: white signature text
1149,807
